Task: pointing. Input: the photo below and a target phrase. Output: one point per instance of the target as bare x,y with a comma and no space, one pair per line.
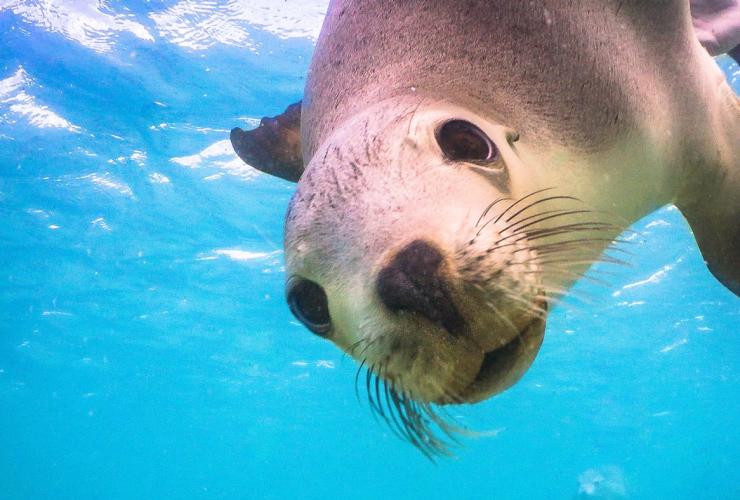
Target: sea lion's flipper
717,25
275,146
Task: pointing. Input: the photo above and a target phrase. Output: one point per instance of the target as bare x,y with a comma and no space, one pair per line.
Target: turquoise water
146,350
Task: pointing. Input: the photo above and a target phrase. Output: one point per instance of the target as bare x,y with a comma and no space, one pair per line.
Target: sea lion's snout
415,281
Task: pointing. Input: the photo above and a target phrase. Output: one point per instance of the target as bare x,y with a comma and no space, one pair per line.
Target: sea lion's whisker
496,311
489,207
448,423
534,193
417,432
515,297
407,418
357,378
454,398
605,259
525,218
560,230
557,230
412,420
370,374
548,298
408,433
530,217
554,295
351,349
425,433
567,244
513,225
399,430
584,276
412,430
540,201
495,219
566,250
367,346
378,399
575,225
449,430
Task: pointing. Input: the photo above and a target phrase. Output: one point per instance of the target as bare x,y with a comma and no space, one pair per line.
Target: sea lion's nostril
414,281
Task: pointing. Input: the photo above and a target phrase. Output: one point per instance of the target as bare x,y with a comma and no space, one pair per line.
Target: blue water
146,350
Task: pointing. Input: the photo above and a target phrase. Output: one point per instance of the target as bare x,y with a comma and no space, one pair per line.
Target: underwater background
146,350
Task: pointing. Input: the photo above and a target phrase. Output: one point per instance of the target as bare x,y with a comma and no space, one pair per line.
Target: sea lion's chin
432,366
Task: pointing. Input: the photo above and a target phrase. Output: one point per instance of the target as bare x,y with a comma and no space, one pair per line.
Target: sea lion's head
426,241
406,245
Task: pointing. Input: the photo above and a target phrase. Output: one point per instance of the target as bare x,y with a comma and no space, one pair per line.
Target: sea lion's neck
709,194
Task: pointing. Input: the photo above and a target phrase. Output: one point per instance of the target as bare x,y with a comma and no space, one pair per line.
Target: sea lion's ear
275,146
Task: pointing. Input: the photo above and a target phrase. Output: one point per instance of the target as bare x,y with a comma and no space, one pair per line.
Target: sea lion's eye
308,303
460,140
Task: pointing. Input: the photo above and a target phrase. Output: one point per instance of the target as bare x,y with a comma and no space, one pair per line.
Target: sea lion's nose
414,281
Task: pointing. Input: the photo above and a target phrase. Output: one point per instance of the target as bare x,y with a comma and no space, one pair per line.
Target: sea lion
462,163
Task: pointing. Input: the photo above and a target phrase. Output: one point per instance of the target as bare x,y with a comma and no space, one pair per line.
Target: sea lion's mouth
503,366
493,361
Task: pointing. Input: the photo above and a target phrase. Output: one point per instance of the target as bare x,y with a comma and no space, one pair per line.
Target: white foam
14,94
631,304
199,25
242,255
43,214
105,181
656,277
219,155
218,149
249,121
157,178
101,223
674,345
139,157
56,313
657,223
92,23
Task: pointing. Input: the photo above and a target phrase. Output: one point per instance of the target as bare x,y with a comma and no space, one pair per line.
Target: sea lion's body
445,144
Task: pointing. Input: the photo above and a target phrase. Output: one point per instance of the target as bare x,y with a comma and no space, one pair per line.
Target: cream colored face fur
511,236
